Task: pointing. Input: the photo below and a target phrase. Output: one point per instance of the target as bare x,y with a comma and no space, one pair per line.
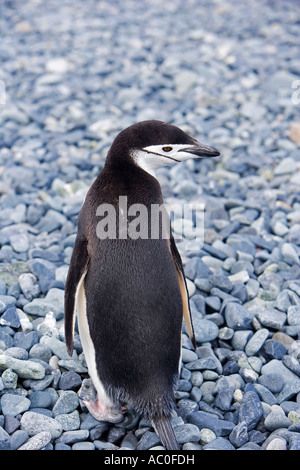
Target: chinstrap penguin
130,294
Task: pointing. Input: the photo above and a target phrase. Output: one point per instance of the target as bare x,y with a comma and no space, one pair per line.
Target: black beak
202,150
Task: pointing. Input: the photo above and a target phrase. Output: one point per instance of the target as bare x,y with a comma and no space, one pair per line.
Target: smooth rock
205,330
37,442
237,317
5,443
276,420
203,419
286,166
271,318
187,433
69,421
34,423
9,379
256,342
71,437
67,402
26,369
277,444
289,254
52,302
219,444
273,381
14,404
206,436
29,286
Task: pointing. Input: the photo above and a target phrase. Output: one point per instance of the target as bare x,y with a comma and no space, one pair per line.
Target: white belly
87,343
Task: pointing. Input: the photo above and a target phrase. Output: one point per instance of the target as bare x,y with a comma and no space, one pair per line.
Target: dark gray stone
13,404
149,439
239,435
274,382
202,419
70,380
10,318
274,349
251,410
40,399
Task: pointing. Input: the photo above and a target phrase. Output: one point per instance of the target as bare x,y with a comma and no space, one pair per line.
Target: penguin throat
144,161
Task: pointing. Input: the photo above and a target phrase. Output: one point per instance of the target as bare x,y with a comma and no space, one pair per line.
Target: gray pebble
273,381
71,437
9,379
67,402
203,419
277,444
187,433
237,317
40,351
17,352
69,421
219,444
28,285
256,342
271,318
37,442
148,440
83,446
14,404
5,443
33,423
293,315
6,301
289,254
18,438
265,395
276,420
26,369
10,318
40,399
205,330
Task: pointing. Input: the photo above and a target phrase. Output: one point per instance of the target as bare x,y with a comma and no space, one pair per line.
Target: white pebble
237,395
277,409
206,436
277,444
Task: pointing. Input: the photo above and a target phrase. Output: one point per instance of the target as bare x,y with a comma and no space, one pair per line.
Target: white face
156,156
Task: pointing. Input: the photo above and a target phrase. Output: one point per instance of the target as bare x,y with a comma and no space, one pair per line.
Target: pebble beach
73,74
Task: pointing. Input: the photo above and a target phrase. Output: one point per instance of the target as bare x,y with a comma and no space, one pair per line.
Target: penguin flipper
77,271
183,290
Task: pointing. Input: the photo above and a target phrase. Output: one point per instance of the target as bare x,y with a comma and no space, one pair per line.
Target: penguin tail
164,428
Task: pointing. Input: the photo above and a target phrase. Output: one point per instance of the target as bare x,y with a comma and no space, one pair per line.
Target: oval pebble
33,423
14,404
37,442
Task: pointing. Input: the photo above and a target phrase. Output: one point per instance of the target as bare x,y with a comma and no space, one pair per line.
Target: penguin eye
167,149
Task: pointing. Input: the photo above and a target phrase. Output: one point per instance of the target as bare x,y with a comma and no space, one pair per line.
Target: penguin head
154,144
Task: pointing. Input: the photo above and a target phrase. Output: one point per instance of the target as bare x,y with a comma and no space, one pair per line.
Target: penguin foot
100,411
104,413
